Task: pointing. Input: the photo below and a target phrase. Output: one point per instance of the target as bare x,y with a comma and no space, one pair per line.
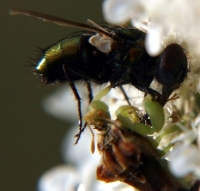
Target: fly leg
147,90
90,96
76,95
89,88
125,95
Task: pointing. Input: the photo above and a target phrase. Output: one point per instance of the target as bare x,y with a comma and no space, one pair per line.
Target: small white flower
185,156
184,159
120,11
59,178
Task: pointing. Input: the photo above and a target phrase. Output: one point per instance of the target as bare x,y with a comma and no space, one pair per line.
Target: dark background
30,139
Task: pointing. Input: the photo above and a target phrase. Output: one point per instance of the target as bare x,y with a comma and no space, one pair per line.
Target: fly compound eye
172,68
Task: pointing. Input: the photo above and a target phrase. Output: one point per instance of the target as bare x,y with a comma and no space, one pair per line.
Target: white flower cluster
169,21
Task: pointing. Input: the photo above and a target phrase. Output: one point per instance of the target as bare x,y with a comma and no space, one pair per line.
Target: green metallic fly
113,54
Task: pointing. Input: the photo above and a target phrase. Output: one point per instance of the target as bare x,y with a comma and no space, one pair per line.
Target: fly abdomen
50,65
